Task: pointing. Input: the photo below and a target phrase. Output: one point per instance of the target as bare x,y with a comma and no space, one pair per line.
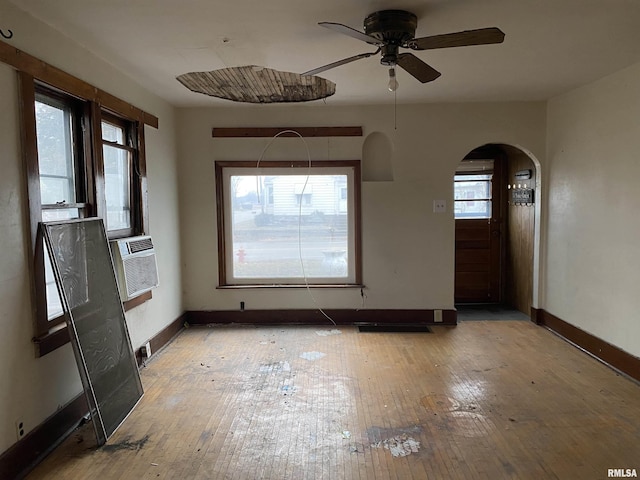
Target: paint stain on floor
326,333
311,356
399,445
275,367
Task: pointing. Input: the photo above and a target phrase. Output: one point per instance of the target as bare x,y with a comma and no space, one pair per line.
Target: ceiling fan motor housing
393,28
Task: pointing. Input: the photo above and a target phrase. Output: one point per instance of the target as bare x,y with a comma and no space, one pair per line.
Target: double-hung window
288,223
62,176
82,160
118,152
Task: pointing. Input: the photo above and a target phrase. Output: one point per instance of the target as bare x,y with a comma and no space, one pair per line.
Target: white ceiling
551,46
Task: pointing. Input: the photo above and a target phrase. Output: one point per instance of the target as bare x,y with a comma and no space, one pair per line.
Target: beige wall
408,250
593,244
32,389
586,142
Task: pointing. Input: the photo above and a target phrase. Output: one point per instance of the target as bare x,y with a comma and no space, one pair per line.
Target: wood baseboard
315,317
163,337
24,455
605,352
20,458
536,315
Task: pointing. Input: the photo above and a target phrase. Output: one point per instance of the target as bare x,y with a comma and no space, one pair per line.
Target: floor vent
394,328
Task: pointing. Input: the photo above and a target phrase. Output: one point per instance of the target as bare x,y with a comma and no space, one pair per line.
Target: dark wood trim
30,152
220,218
24,455
357,203
257,132
290,285
220,165
315,317
536,315
287,163
139,300
57,78
95,154
164,337
607,353
141,186
48,342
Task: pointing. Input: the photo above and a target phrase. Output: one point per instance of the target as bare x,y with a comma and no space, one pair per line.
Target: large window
280,225
81,161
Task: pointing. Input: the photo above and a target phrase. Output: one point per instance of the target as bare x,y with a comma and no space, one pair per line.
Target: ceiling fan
390,30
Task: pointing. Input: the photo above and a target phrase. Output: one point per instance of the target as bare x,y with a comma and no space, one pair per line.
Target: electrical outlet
437,316
439,206
19,429
145,350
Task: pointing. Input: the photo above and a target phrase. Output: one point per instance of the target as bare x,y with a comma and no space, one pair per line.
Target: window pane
295,227
117,176
54,304
476,177
112,133
55,190
55,157
472,195
472,209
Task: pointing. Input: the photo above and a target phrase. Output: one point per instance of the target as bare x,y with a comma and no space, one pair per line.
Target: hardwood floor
481,400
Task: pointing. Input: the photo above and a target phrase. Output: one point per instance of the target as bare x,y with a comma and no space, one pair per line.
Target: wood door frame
497,225
507,152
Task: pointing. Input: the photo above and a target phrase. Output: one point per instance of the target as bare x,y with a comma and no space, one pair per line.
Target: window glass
55,154
54,136
112,133
117,178
287,228
472,196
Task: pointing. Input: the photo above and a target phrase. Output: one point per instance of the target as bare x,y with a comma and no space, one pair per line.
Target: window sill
286,285
58,337
139,300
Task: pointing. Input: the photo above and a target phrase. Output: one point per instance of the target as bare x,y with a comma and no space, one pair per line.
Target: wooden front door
477,261
479,241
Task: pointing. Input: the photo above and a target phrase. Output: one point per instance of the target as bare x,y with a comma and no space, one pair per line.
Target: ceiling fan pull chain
395,110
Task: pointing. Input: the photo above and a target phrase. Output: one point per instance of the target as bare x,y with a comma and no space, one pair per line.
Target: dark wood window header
57,78
257,132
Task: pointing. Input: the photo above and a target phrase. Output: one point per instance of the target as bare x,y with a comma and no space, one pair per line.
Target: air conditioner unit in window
135,265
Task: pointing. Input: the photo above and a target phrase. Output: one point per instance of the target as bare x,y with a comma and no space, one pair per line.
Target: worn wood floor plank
481,400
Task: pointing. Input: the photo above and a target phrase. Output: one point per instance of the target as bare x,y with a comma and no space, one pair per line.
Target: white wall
32,389
592,274
408,250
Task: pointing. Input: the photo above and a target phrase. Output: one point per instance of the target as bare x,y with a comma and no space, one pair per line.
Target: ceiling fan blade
344,61
351,32
481,36
416,67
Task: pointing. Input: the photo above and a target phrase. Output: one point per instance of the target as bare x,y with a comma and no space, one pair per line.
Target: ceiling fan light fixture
393,82
390,30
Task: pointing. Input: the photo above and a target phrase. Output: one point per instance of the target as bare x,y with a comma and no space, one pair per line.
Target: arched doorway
494,205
